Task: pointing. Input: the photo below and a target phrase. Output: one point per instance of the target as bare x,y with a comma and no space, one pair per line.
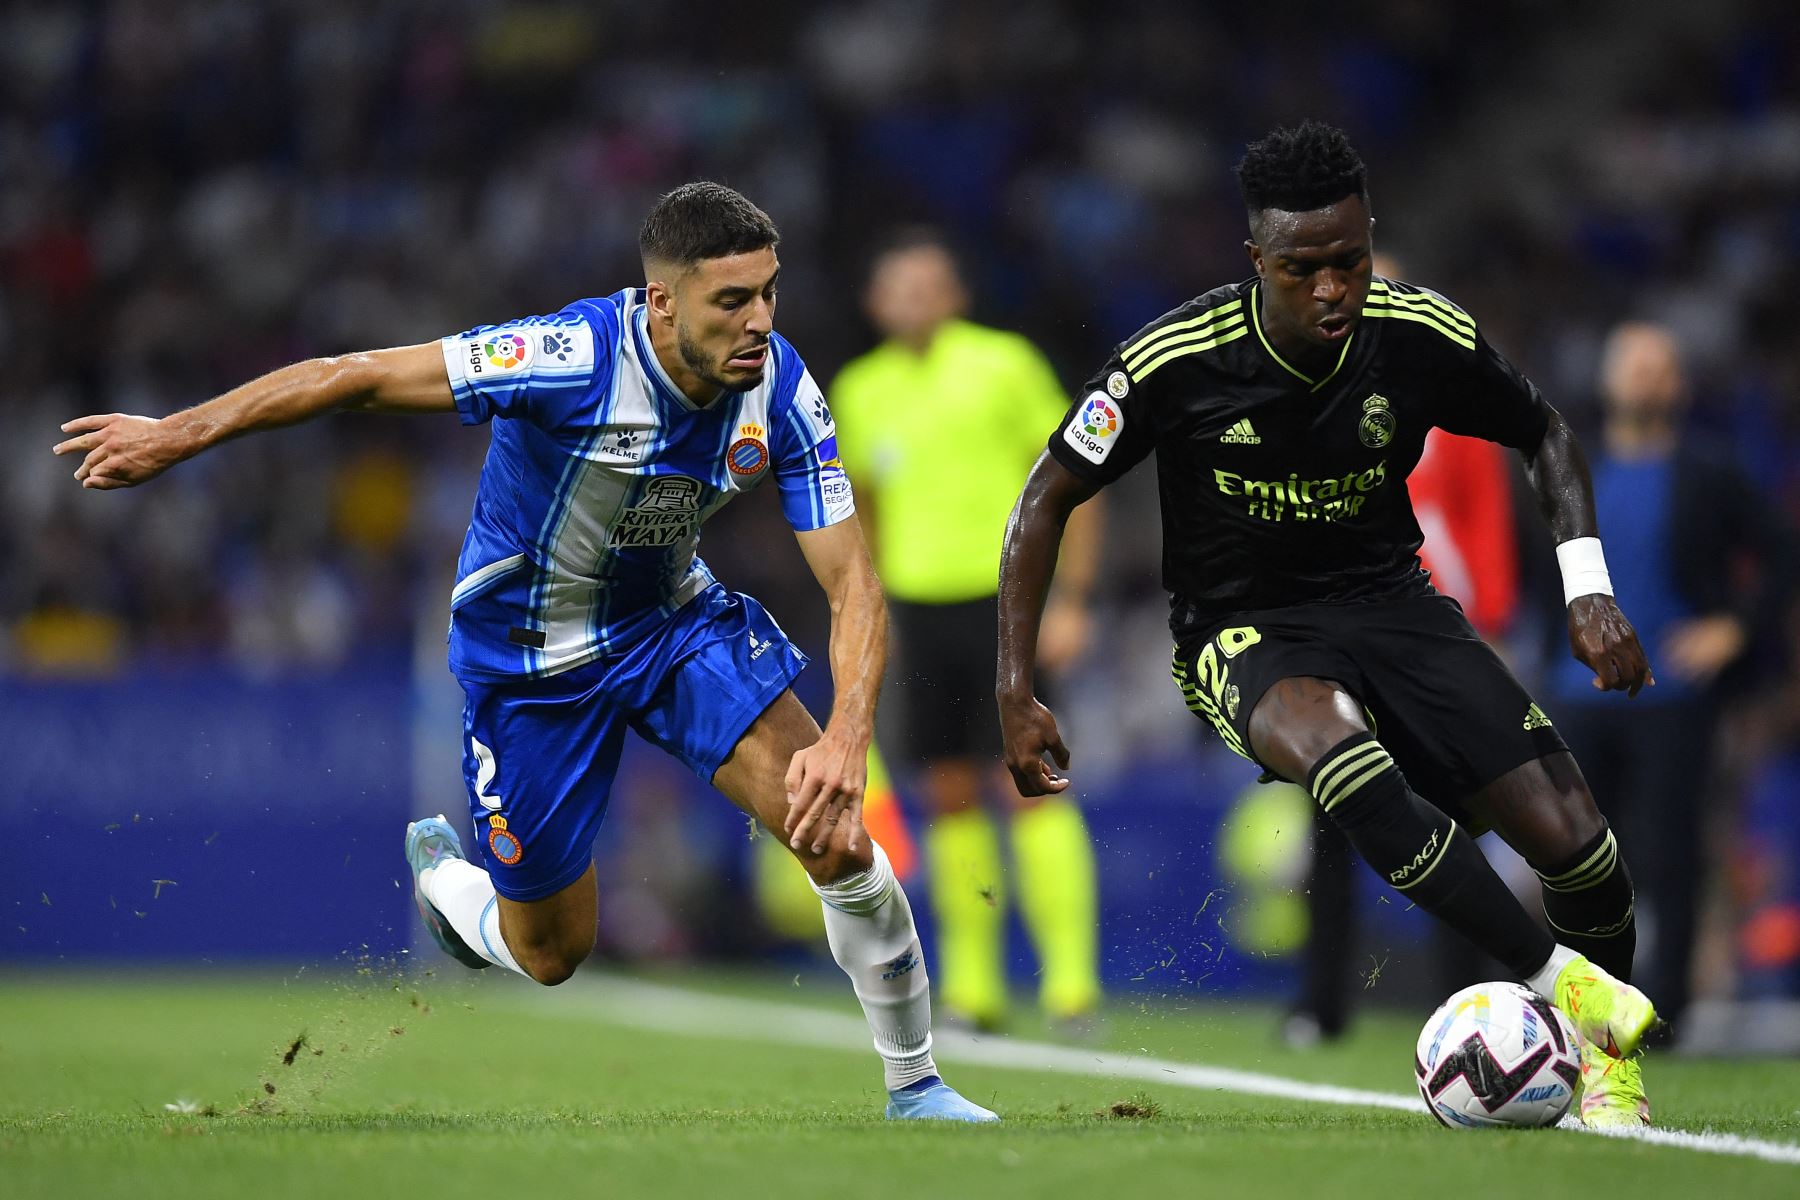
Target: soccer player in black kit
1285,413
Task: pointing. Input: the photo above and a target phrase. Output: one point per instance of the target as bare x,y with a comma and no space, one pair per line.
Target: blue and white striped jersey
599,476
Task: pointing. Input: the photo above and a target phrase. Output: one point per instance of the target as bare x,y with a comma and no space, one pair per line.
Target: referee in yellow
938,427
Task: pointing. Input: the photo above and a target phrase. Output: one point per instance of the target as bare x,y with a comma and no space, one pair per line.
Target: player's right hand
120,450
1027,730
1603,640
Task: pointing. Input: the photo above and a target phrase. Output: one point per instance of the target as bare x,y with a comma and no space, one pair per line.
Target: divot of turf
1138,1107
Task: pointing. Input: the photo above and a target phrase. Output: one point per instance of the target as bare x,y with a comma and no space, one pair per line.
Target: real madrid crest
1376,429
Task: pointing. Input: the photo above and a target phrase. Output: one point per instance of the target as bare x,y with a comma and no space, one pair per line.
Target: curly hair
1310,165
703,220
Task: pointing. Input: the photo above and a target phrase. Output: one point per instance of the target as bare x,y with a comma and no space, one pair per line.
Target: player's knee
1298,720
838,863
551,962
1544,808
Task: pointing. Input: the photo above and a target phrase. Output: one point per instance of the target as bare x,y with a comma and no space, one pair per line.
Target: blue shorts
539,755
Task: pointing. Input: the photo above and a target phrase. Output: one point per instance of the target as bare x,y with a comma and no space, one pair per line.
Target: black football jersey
1280,489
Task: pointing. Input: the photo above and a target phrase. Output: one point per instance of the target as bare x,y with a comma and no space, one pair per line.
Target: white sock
870,927
465,895
1543,980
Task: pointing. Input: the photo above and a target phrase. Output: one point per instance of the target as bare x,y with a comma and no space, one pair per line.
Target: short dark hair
1310,165
704,220
904,238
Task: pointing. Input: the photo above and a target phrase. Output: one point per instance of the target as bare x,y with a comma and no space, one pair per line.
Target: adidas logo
1535,719
1241,434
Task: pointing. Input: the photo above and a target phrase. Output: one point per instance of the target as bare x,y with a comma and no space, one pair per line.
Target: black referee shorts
1437,696
943,680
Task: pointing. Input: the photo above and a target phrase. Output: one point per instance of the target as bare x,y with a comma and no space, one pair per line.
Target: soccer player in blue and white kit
582,609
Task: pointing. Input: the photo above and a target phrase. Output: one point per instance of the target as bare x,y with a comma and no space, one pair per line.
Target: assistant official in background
939,425
1709,568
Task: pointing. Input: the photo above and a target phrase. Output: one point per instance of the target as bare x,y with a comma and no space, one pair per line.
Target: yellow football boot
1612,1091
1607,1012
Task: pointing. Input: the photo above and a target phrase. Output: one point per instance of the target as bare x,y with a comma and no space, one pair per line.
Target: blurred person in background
1462,496
582,608
939,424
1709,568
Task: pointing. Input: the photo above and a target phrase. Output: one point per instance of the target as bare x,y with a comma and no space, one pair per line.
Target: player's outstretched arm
1034,533
825,780
1599,634
119,450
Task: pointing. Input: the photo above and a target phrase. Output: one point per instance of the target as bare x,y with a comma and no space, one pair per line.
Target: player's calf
870,928
1589,903
544,940
1417,849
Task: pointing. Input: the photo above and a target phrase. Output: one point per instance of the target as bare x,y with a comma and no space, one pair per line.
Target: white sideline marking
634,1004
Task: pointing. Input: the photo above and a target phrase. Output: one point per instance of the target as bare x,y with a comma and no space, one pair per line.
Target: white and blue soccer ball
1497,1055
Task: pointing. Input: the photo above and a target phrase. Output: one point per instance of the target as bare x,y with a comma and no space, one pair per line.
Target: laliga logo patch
1376,429
1117,385
503,843
1091,430
505,351
749,454
1098,418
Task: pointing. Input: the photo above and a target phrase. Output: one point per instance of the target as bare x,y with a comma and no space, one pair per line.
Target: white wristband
1583,566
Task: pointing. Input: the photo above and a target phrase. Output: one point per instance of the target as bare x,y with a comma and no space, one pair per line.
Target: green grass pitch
442,1085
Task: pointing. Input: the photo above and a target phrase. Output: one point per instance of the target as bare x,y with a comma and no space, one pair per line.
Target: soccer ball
1497,1055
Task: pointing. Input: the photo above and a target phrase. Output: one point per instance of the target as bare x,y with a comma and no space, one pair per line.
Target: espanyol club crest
503,843
750,453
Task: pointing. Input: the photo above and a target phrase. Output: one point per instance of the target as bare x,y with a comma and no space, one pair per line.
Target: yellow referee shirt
942,442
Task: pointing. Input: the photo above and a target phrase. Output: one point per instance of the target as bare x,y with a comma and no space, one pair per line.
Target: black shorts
943,680
1437,696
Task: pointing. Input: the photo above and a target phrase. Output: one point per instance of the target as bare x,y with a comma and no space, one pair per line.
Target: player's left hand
825,785
1601,638
121,450
1028,732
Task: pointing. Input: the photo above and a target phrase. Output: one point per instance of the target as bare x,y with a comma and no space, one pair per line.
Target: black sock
1421,852
1588,902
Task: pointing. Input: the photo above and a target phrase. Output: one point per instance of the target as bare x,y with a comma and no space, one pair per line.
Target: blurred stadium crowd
192,193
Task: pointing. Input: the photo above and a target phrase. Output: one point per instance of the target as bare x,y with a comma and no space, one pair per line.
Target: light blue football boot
427,841
931,1099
